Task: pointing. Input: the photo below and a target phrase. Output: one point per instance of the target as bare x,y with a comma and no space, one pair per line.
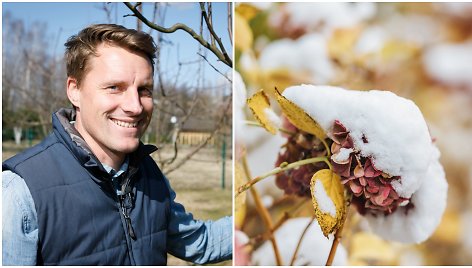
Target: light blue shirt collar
116,174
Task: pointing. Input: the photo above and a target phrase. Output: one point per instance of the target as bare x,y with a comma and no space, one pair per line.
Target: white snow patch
306,54
239,104
273,118
419,222
397,136
450,63
327,16
342,155
371,40
459,9
325,204
314,249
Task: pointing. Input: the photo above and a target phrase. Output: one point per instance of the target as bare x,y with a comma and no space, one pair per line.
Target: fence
195,138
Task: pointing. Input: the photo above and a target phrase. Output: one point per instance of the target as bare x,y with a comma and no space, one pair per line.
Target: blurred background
191,123
420,51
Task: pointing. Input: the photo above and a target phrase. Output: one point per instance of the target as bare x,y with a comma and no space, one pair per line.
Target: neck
104,155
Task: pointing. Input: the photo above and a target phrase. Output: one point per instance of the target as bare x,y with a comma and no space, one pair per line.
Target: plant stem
257,124
281,168
337,239
264,214
328,150
294,256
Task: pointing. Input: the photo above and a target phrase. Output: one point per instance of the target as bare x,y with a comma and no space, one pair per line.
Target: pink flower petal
370,170
358,171
355,188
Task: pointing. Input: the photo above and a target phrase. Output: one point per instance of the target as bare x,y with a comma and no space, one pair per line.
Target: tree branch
213,33
180,26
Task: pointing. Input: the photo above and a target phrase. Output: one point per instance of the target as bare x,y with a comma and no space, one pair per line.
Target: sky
66,19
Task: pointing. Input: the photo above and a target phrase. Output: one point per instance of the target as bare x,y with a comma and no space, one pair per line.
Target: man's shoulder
13,161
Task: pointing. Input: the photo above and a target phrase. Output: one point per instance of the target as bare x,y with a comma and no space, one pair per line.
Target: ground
197,184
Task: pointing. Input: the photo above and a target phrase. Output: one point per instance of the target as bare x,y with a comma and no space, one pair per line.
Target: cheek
148,105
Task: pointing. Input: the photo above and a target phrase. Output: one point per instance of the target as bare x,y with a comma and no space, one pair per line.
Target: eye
113,88
145,91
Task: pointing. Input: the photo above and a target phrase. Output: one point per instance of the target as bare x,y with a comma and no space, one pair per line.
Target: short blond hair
80,47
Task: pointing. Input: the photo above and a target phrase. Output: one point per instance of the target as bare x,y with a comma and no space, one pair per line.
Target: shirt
209,240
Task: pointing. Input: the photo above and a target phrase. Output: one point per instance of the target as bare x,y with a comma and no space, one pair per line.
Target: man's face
114,102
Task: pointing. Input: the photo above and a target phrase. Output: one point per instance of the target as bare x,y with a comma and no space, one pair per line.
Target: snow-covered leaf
260,106
328,200
299,118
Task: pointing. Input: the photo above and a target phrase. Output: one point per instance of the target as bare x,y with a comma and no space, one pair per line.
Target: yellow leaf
398,51
299,118
240,200
341,44
371,249
246,10
327,194
243,37
260,107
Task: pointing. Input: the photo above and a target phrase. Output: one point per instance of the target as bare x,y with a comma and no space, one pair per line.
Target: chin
129,147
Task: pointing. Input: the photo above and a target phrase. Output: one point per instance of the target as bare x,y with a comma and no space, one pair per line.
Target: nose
132,102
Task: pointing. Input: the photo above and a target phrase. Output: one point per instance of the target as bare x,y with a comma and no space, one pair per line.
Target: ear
73,92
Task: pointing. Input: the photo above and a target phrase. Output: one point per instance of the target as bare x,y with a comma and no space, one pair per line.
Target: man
89,193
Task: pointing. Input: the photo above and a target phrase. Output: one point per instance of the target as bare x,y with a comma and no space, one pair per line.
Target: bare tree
183,101
31,85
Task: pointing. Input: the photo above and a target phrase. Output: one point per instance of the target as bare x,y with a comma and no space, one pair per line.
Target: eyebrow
146,83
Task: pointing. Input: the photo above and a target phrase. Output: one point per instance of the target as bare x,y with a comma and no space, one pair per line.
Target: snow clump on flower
393,168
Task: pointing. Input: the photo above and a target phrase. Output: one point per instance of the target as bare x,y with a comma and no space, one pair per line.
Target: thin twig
337,239
264,214
257,124
214,67
284,166
294,256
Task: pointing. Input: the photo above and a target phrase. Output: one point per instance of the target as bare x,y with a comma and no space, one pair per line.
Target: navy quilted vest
80,218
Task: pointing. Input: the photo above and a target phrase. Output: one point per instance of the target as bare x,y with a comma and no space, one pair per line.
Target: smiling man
90,193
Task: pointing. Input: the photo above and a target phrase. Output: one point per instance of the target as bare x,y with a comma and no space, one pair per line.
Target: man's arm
19,222
198,241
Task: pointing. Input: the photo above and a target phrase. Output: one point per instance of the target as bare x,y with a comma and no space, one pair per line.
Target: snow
398,137
371,40
325,204
342,155
328,16
419,222
273,118
307,54
399,143
314,249
461,10
450,63
239,104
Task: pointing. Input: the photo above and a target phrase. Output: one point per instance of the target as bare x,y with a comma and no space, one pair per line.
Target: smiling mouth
125,124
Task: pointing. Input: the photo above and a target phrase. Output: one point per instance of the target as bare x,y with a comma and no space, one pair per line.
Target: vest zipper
124,199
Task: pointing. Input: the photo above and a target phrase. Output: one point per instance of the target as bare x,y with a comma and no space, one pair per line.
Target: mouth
125,124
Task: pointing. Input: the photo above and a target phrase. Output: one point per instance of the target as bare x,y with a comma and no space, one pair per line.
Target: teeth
125,124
